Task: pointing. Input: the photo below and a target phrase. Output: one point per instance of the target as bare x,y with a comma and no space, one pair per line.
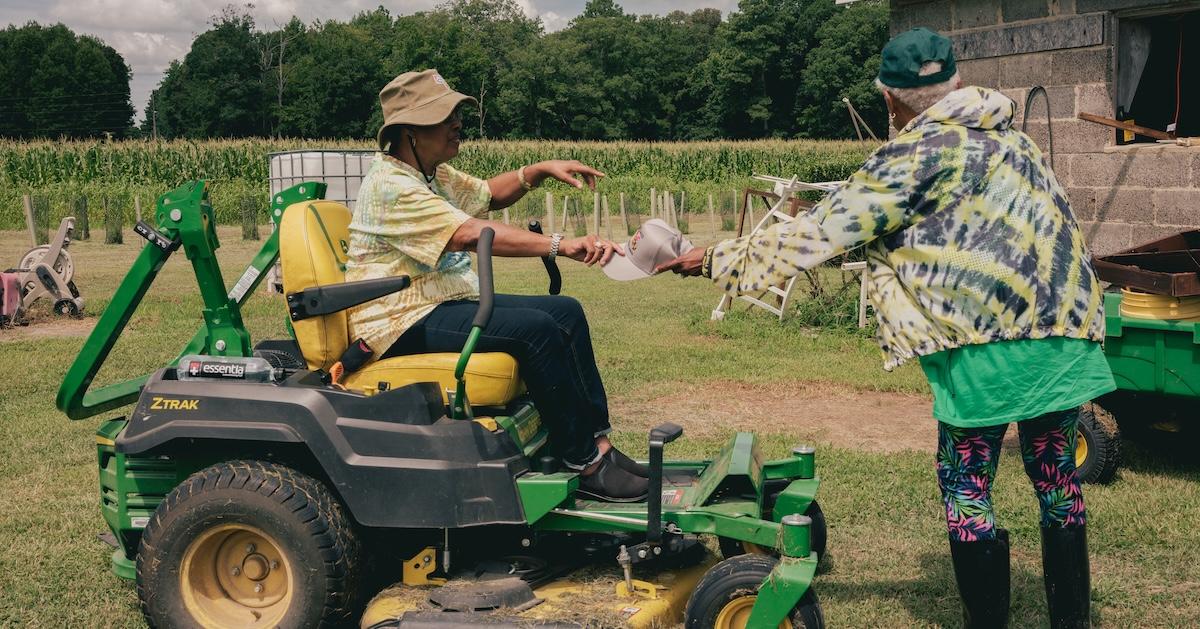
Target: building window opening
1158,75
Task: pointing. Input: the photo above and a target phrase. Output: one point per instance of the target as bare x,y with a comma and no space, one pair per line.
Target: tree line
772,68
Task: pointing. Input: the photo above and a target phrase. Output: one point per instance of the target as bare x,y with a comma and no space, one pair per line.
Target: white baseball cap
654,243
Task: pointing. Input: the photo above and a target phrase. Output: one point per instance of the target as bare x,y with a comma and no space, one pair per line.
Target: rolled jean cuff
601,433
579,467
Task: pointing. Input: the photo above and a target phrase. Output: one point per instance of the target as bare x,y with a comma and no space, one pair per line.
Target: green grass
890,562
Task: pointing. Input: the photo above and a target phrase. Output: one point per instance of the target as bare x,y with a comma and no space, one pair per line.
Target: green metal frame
185,217
549,506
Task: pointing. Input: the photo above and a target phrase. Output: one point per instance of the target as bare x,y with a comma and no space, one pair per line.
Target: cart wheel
818,537
248,544
1098,448
66,308
726,594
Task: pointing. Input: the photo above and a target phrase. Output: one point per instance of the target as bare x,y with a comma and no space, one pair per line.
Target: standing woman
977,268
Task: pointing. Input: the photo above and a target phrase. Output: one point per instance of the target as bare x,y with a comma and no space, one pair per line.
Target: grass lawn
890,561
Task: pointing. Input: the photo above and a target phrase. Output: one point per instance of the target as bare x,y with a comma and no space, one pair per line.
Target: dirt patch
48,327
838,415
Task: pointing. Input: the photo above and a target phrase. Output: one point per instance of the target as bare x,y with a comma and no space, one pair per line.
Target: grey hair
921,98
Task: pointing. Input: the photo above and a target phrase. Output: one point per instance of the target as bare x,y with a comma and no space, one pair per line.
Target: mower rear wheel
818,538
248,544
726,594
1098,446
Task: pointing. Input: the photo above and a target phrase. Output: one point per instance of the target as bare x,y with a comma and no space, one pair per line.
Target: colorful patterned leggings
966,468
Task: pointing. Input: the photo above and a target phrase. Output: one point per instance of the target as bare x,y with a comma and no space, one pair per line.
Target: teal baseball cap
902,58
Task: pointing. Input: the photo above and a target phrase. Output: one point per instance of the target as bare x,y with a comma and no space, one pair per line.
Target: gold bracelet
521,178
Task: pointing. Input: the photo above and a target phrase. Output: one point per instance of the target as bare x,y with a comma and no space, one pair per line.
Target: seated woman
417,216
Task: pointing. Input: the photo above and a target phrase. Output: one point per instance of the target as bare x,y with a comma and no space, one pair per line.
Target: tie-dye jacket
969,236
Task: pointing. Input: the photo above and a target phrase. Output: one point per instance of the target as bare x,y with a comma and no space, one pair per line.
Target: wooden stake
565,217
607,216
712,218
624,217
596,213
28,203
549,226
653,201
137,207
506,216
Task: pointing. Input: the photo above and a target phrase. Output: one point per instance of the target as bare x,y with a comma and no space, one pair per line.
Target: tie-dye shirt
401,226
969,236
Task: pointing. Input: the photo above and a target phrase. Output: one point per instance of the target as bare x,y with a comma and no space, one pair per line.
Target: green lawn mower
248,488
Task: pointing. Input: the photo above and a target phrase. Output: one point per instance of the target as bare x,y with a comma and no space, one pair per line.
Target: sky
152,33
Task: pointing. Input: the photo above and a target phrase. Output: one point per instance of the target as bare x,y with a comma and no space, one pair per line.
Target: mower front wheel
248,544
725,597
818,538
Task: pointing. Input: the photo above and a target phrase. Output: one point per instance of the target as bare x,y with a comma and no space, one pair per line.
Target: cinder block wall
1121,195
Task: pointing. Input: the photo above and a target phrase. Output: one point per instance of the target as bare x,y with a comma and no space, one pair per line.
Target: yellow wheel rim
736,613
1081,450
751,548
235,575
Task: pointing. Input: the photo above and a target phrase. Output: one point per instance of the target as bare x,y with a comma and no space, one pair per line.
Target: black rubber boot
1068,579
627,464
610,483
981,570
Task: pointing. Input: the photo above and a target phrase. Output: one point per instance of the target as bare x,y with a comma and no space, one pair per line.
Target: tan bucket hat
654,243
419,99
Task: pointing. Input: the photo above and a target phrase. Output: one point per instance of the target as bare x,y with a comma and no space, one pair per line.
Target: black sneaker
610,483
627,464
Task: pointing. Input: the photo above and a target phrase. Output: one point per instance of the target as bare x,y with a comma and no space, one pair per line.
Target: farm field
57,174
789,383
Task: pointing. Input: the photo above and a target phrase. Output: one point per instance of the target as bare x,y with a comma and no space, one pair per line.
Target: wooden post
607,216
624,217
137,211
564,228
33,232
712,219
249,218
113,222
653,201
506,216
82,219
596,213
549,226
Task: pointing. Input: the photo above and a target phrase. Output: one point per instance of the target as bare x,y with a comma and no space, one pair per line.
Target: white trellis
784,190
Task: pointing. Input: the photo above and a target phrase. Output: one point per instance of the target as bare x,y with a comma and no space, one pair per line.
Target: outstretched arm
512,242
506,188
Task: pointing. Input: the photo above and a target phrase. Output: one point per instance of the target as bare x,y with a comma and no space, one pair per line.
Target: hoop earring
892,117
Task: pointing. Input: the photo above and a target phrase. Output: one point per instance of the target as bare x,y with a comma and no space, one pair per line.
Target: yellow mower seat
313,239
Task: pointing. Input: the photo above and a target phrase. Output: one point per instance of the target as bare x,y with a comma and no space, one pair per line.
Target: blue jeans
550,339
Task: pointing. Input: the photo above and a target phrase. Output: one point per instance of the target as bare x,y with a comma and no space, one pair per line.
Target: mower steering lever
549,263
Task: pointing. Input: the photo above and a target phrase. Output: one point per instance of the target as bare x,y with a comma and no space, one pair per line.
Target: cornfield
62,172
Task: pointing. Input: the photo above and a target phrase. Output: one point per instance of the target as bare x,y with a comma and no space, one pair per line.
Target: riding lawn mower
247,487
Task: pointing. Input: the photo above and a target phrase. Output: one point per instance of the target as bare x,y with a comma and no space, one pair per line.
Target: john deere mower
249,488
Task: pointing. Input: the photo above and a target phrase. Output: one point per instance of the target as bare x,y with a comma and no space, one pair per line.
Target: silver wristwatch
555,240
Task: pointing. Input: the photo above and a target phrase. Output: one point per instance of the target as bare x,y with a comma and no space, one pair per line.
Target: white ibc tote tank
341,170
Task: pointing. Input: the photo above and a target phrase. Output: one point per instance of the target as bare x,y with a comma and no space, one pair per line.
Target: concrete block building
1135,60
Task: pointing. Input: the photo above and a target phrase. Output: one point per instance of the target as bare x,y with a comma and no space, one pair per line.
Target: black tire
301,527
1098,449
734,583
66,308
818,538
